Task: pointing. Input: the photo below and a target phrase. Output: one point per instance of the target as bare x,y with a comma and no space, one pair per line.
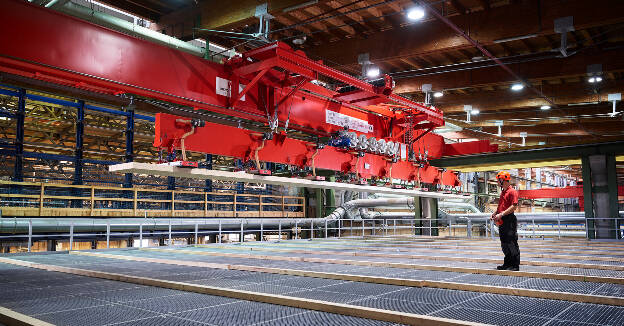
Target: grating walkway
65,299
463,305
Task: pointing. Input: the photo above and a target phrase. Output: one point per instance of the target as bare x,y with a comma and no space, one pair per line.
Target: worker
507,222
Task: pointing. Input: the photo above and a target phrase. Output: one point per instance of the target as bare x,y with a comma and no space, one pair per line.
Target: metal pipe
82,225
119,24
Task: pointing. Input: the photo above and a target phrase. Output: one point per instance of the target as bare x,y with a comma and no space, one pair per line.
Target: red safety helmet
503,175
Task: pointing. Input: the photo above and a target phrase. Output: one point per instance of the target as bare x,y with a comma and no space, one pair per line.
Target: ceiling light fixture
372,72
524,136
474,111
517,87
499,124
468,109
545,107
416,14
438,94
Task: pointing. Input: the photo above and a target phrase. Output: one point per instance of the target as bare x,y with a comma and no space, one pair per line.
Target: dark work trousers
508,234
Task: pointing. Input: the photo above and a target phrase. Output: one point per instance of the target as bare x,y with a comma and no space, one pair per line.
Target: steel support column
18,174
320,211
209,167
78,153
171,183
612,188
330,198
603,197
417,216
587,197
129,144
240,187
79,143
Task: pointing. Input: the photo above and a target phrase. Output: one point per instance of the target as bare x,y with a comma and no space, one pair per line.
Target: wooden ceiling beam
460,8
335,22
536,70
225,14
353,19
433,36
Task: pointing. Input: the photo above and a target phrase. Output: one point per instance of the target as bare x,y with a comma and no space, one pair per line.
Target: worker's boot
513,268
502,267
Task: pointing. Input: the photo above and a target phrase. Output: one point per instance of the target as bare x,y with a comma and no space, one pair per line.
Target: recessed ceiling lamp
545,107
517,87
474,111
300,40
416,14
596,79
372,72
438,94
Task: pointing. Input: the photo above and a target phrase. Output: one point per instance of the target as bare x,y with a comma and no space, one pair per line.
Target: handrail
36,202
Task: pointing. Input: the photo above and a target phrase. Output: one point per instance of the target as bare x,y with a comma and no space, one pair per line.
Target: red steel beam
565,192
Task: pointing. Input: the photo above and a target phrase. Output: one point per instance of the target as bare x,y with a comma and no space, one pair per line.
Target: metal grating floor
65,299
183,308
508,281
76,300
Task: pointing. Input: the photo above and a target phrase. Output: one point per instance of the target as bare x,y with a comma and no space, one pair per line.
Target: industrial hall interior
311,162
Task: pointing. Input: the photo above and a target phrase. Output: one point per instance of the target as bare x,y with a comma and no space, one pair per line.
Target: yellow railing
53,199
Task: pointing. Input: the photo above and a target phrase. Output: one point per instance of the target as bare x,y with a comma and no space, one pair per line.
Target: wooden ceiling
518,32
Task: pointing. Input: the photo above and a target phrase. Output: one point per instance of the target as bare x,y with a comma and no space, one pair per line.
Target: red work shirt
507,198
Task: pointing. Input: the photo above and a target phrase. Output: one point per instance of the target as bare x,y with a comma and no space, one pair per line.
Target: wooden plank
166,170
12,318
552,295
41,196
189,201
429,257
112,199
134,202
310,304
19,196
205,206
172,202
550,245
92,200
470,270
7,182
154,200
363,249
67,197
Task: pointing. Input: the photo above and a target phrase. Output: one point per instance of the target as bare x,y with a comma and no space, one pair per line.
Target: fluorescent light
474,111
416,14
595,79
515,38
438,94
517,87
545,107
372,72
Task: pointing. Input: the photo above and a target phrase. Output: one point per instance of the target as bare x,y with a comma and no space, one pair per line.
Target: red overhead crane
372,131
